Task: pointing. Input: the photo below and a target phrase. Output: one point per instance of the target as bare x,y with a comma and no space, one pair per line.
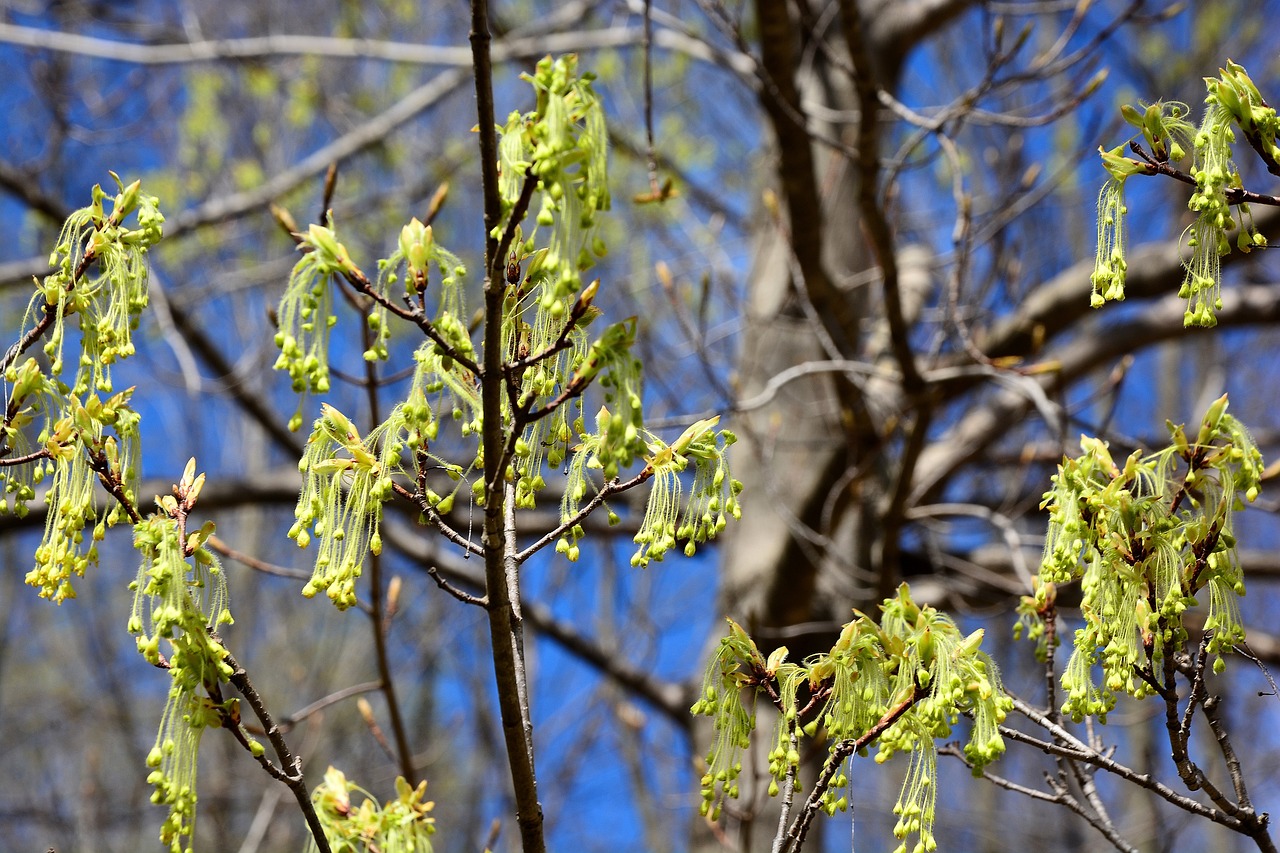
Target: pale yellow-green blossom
1143,545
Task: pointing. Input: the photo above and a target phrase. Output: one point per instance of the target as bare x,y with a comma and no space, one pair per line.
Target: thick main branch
501,566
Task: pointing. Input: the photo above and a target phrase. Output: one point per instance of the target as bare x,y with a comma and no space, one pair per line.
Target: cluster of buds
914,675
714,497
403,824
1232,102
1143,539
110,301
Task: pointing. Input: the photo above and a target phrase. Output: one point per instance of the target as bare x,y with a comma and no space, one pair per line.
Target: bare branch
410,53
1243,305
290,764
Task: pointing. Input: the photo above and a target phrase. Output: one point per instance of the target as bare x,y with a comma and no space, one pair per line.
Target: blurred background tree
865,228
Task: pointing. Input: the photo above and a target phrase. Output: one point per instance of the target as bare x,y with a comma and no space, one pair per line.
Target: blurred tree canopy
862,229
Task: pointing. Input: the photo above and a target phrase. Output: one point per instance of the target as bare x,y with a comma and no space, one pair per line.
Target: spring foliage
402,825
70,428
77,434
1146,540
899,684
1232,104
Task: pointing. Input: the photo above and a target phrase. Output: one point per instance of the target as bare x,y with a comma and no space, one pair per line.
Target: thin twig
289,763
647,48
611,488
457,592
217,544
419,500
1234,195
788,793
1069,746
371,723
377,595
8,461
1244,650
289,721
839,753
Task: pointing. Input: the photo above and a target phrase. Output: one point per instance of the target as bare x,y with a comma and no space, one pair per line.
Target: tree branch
874,223
289,763
500,566
781,102
1243,305
410,53
839,753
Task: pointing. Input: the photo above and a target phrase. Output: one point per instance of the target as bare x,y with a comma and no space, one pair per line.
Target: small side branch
419,500
838,755
611,488
1235,195
6,462
1058,795
24,343
457,592
291,764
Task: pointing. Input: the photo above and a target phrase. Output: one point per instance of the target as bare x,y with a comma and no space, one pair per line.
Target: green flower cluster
403,825
1232,102
76,440
181,603
413,423
306,314
547,439
732,674
1236,93
713,499
578,481
1031,610
347,478
915,673
564,143
109,302
1143,540
453,388
99,276
417,252
1167,133
1214,172
958,678
344,487
1109,265
620,424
